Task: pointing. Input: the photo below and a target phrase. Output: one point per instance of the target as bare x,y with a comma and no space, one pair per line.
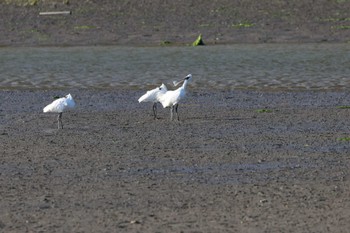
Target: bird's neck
184,84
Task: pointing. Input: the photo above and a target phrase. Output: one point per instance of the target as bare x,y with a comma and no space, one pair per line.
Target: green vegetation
344,139
34,2
263,110
205,25
84,27
198,41
165,43
243,25
343,107
35,33
336,19
23,2
341,27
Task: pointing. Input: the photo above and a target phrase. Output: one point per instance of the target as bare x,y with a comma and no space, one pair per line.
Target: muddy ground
238,161
241,161
156,22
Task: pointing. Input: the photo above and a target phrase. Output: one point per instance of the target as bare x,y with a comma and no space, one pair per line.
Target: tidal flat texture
168,22
238,161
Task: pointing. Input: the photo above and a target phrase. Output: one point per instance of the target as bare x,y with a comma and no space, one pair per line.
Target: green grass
343,107
243,25
166,43
205,25
39,35
34,2
23,2
264,111
341,27
84,27
344,139
333,20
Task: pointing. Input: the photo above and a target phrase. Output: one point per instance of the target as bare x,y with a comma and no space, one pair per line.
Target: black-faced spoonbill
152,96
59,106
172,98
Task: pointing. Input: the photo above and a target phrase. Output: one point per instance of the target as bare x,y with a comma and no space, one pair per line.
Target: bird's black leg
171,112
59,119
155,110
177,114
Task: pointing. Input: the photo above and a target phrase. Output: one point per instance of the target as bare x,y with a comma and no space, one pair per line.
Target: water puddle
277,66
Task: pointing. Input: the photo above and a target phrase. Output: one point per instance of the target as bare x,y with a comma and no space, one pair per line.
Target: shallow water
264,66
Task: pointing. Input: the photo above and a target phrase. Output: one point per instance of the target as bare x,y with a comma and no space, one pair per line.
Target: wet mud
168,22
241,161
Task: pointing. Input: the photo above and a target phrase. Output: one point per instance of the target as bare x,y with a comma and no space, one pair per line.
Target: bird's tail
142,98
47,108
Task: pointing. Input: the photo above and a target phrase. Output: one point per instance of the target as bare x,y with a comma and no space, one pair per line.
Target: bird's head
188,77
68,96
163,87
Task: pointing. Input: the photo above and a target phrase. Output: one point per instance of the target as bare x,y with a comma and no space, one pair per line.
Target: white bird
59,106
152,96
172,98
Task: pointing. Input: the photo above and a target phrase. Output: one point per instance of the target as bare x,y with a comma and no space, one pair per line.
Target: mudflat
168,22
238,161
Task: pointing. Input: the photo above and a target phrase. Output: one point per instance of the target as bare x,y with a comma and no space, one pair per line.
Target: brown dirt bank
225,167
128,22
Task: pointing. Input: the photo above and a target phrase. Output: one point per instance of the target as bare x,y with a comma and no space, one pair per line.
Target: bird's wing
150,96
168,98
171,98
56,106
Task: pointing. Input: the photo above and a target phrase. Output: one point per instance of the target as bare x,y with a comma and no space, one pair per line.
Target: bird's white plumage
171,98
60,104
153,95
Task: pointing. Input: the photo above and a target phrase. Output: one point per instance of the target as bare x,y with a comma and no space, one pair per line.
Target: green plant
343,107
344,139
335,19
243,25
165,43
341,27
263,110
22,2
198,41
84,27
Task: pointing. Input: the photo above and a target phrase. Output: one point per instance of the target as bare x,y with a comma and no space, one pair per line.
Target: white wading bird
152,96
59,106
172,98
